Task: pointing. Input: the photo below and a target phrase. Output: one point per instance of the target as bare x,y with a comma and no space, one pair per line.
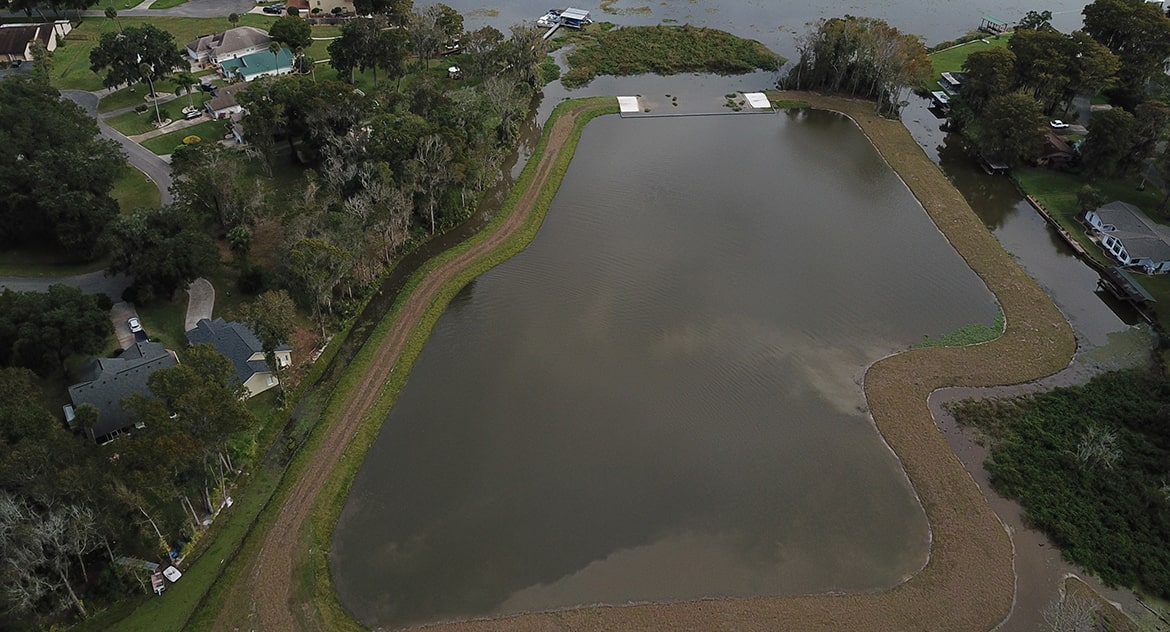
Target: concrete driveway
119,314
200,302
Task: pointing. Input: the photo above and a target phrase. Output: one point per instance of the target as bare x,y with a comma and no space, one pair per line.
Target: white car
1058,124
134,325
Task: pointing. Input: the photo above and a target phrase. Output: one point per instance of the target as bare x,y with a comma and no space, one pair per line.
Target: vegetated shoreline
968,581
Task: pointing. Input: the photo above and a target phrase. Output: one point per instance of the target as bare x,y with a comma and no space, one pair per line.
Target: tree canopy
39,330
293,32
162,248
861,57
124,54
1010,128
56,173
1138,32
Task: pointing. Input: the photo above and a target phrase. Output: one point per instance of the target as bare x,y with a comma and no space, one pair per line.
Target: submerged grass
972,334
663,50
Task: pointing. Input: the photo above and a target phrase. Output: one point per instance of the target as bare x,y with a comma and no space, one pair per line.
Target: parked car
193,114
134,325
274,9
1058,124
17,62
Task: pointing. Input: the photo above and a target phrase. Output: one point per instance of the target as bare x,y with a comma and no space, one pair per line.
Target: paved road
191,9
154,167
91,283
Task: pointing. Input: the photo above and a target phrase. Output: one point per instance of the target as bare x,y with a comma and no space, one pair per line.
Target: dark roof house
241,346
107,381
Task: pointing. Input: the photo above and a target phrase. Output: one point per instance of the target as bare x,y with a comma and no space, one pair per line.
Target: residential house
223,104
16,39
241,346
256,65
107,381
1129,236
231,44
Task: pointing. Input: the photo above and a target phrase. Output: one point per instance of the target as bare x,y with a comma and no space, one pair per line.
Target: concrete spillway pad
758,100
628,105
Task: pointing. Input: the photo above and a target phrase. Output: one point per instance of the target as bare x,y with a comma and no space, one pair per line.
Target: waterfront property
1129,236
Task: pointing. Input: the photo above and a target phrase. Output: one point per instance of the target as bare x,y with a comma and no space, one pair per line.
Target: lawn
134,123
164,320
71,61
208,131
952,59
167,4
133,95
134,190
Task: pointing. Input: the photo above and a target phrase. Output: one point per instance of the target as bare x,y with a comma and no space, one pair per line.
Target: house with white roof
1131,237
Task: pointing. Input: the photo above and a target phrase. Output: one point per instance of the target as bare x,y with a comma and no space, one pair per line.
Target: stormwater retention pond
660,399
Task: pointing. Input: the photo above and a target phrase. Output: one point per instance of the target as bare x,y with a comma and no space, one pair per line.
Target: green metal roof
258,63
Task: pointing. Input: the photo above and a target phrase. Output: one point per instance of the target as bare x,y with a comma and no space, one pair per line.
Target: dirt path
272,576
967,584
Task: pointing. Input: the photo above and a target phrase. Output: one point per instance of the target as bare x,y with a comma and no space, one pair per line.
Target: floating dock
743,103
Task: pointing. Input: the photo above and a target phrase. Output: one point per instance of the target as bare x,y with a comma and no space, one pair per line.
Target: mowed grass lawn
208,131
952,59
134,190
1057,192
71,61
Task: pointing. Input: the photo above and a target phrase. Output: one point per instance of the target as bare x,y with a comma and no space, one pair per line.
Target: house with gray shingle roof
241,346
232,43
107,381
1131,237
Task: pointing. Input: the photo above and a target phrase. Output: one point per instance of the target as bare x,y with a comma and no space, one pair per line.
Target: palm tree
148,74
185,80
112,14
274,48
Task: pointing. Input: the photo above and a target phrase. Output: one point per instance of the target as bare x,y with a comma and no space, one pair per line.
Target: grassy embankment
663,50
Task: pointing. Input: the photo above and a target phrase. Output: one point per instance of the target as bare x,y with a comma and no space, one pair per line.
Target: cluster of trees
69,508
1088,464
40,330
861,57
380,168
1009,94
57,173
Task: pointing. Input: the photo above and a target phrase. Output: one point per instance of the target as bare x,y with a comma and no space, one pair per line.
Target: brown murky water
659,399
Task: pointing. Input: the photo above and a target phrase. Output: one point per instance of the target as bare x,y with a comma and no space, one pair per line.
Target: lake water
660,399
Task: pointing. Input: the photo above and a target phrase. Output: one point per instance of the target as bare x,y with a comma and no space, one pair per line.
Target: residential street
90,283
192,9
154,167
